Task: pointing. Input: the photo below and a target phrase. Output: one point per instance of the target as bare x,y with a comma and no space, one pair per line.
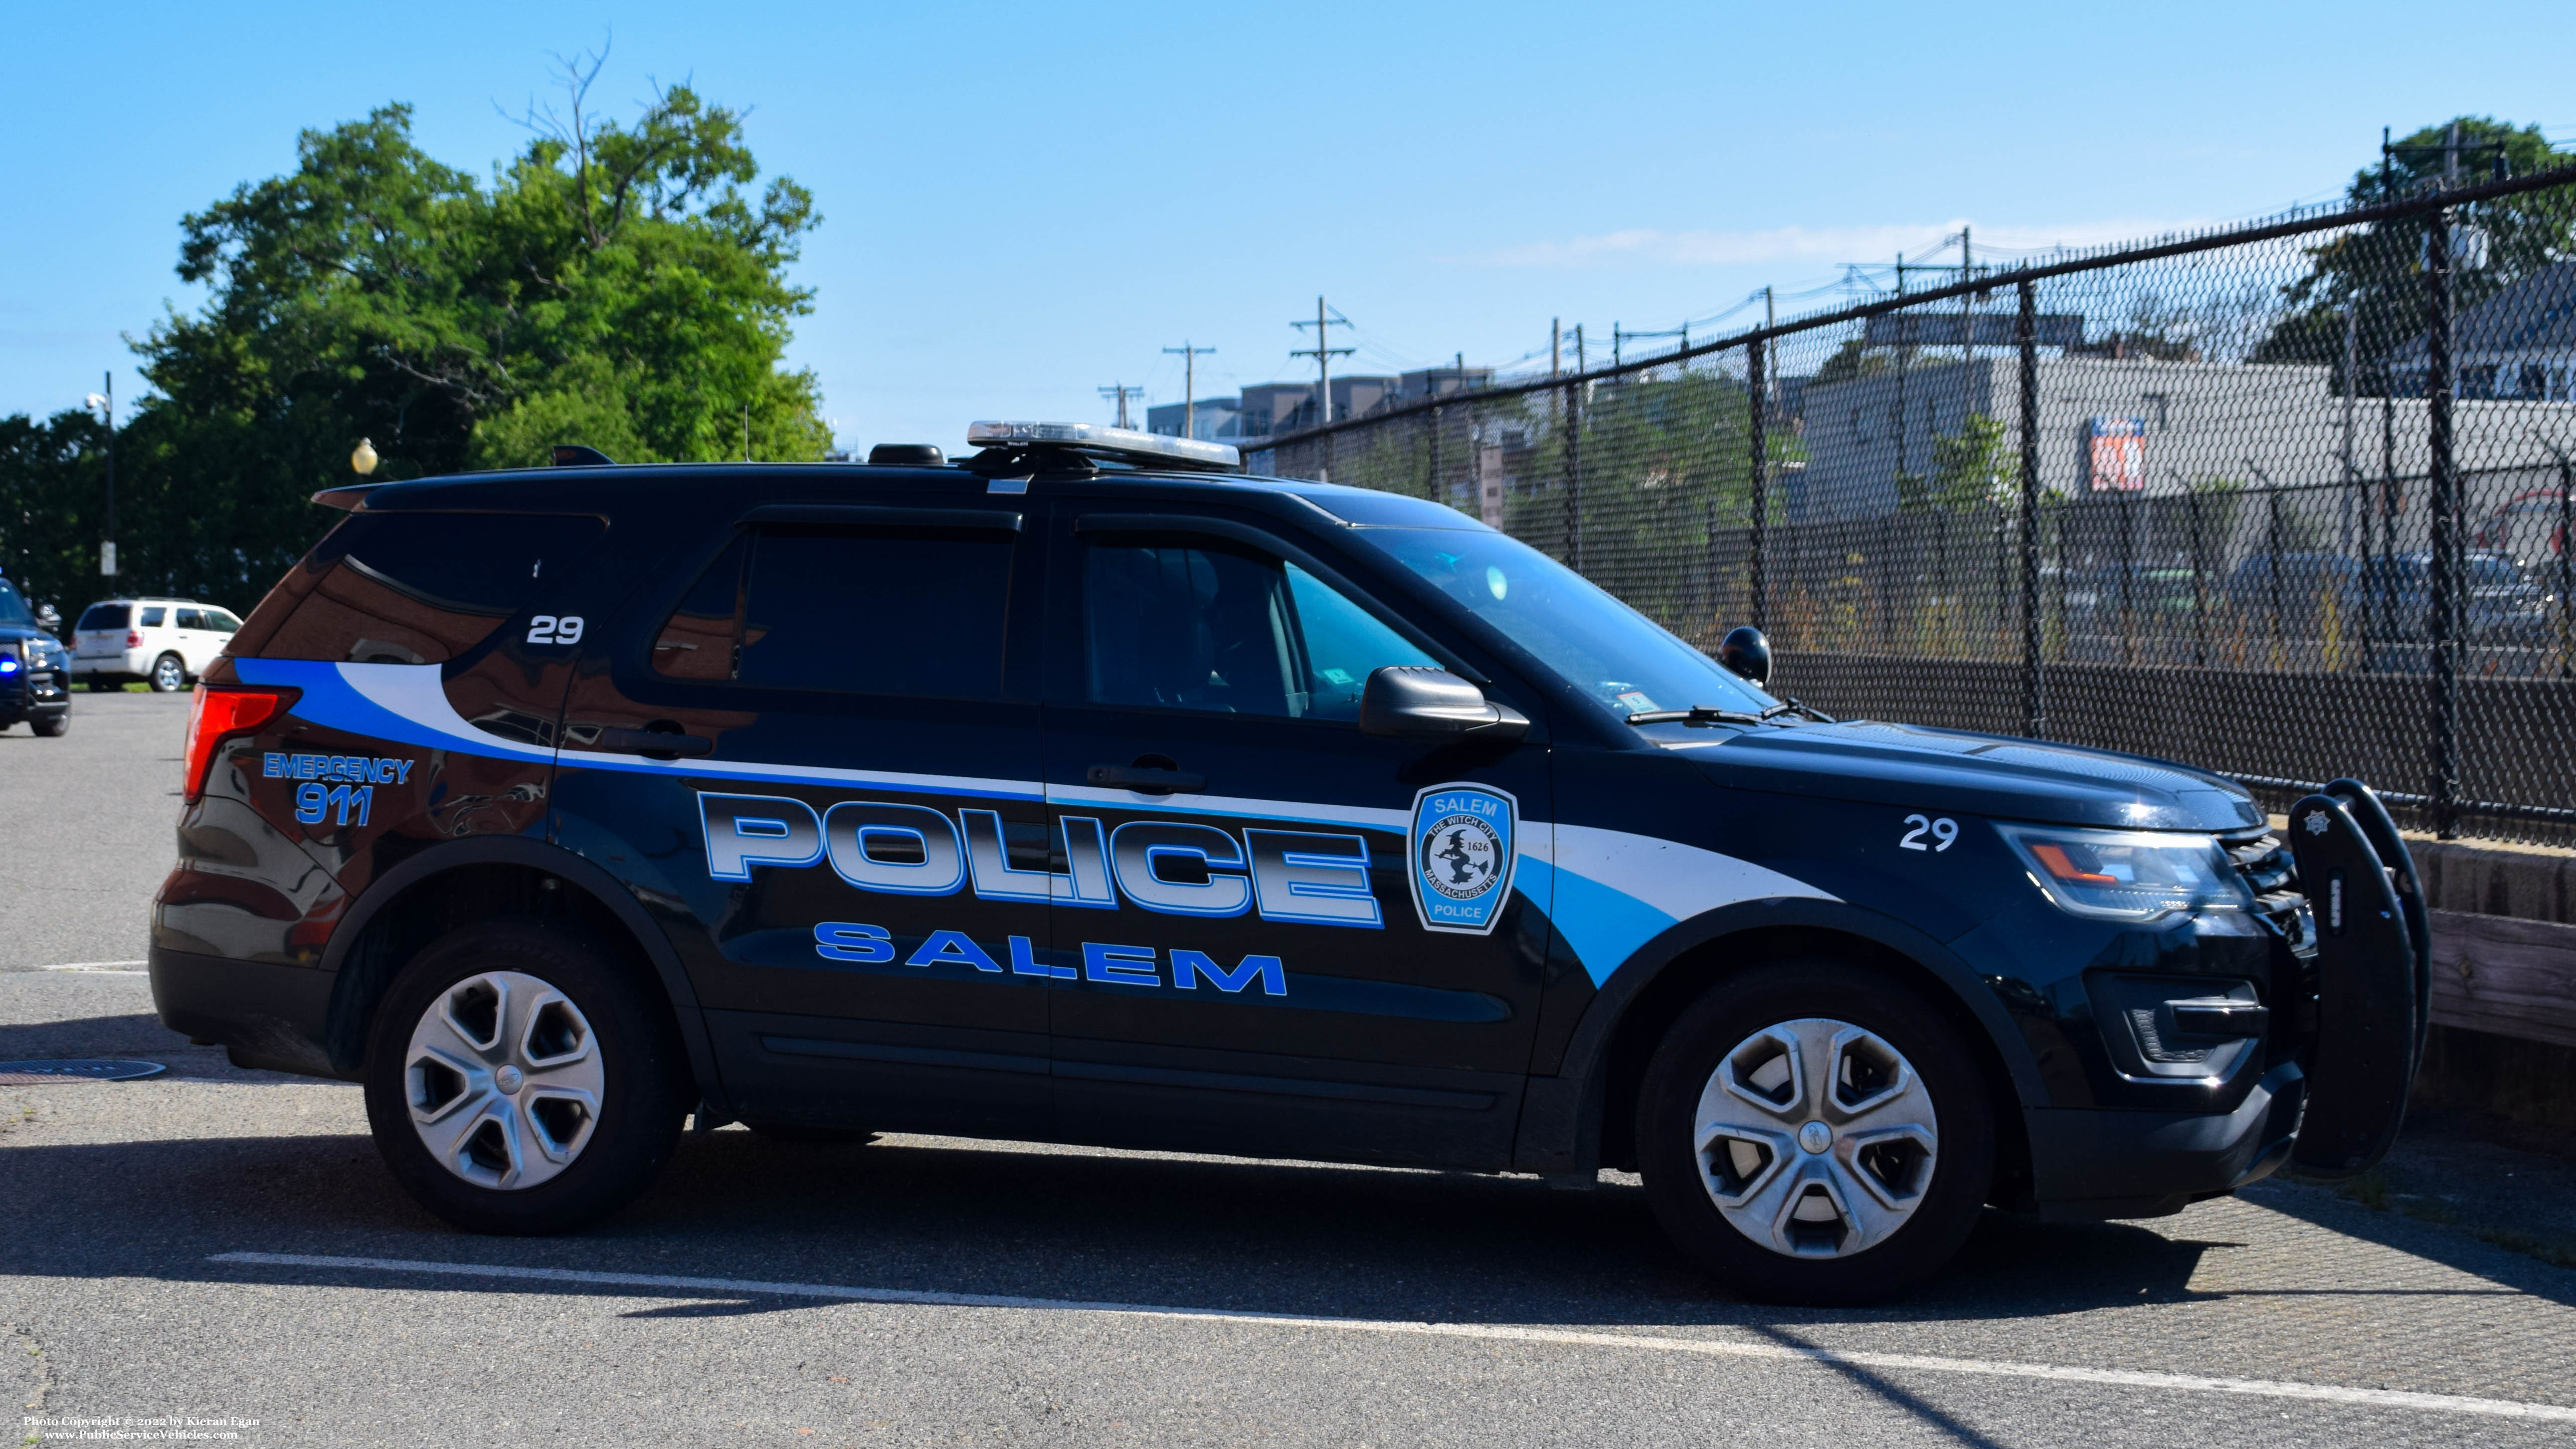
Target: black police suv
1088,791
35,669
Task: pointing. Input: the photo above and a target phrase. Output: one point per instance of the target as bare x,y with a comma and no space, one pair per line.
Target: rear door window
422,588
856,609
192,619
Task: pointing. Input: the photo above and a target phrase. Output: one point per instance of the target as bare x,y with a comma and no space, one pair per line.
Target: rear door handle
1145,779
648,742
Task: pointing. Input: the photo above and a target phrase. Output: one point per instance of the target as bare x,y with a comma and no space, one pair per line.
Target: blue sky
1025,203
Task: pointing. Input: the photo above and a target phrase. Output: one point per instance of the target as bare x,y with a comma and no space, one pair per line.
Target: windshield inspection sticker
1462,857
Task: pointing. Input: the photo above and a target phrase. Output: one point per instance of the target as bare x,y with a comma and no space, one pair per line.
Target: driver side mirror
1414,699
1746,651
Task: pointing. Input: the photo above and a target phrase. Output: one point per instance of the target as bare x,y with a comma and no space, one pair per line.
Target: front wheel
1812,1132
51,726
520,1081
169,674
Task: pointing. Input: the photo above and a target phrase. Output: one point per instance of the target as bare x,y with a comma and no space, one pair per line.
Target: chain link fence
2288,501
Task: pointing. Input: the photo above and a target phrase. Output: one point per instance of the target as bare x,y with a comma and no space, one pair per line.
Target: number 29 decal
549,629
1944,833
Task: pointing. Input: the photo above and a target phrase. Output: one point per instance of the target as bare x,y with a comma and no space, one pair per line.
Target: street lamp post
362,458
106,404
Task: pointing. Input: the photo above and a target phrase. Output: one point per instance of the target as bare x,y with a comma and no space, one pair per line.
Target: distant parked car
2391,596
166,643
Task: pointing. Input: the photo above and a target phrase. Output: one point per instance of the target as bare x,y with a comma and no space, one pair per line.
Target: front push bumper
2093,1163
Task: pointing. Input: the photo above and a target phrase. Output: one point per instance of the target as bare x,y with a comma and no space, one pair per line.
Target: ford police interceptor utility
1088,791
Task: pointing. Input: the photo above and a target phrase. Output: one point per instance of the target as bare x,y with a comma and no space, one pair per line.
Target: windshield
1625,662
13,610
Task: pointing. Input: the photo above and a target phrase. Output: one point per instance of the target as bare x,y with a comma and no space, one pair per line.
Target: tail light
133,638
221,712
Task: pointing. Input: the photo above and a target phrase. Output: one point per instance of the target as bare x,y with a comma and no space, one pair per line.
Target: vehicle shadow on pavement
947,1215
2451,1246
140,1036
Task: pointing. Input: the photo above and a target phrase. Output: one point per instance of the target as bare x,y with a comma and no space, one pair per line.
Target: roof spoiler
347,496
574,455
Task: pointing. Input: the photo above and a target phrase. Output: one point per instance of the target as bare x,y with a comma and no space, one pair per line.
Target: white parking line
2119,1378
102,968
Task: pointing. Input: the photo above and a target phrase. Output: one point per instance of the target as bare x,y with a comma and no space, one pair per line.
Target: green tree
2377,271
619,285
1968,470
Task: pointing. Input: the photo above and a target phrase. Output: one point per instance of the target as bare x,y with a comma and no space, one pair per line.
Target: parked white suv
166,643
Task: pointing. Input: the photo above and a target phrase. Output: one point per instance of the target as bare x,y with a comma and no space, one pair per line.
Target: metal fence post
1756,387
1574,476
2034,701
2446,507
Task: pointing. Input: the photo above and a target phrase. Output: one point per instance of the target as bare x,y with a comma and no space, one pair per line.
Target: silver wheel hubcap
503,1080
1816,1138
169,672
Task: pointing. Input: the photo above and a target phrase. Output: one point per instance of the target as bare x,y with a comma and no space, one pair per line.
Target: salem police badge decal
1462,857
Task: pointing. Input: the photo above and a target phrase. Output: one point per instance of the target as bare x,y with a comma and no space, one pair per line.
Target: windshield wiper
1698,716
1792,706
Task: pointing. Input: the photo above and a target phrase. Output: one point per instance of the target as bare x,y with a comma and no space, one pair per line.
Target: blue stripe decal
1605,926
407,704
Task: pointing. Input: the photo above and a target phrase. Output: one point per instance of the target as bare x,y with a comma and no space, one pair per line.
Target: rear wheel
169,674
1812,1133
519,1081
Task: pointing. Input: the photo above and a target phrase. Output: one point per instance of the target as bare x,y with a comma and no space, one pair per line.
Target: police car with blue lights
35,669
1086,790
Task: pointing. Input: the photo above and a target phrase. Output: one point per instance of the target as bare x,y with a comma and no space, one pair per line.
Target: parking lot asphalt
222,1246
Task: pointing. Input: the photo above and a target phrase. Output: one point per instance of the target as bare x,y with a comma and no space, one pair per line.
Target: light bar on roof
1093,438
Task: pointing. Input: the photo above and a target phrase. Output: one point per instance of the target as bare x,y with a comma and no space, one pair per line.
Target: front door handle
1145,779
665,743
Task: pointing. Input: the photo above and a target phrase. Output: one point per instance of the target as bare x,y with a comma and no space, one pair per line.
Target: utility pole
1189,387
1770,345
1122,392
1323,353
105,402
1555,347
1967,302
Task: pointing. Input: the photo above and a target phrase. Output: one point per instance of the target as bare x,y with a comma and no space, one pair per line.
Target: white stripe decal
678,1286
1614,891
1609,891
1292,811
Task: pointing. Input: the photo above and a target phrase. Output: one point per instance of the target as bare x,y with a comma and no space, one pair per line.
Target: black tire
169,675
642,1080
1944,1209
51,726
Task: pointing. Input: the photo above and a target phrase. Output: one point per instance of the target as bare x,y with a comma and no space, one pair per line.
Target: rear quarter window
419,588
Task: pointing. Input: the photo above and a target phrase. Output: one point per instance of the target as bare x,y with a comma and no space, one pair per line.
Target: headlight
2129,875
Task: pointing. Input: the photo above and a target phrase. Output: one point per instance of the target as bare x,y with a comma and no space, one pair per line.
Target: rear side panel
423,713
